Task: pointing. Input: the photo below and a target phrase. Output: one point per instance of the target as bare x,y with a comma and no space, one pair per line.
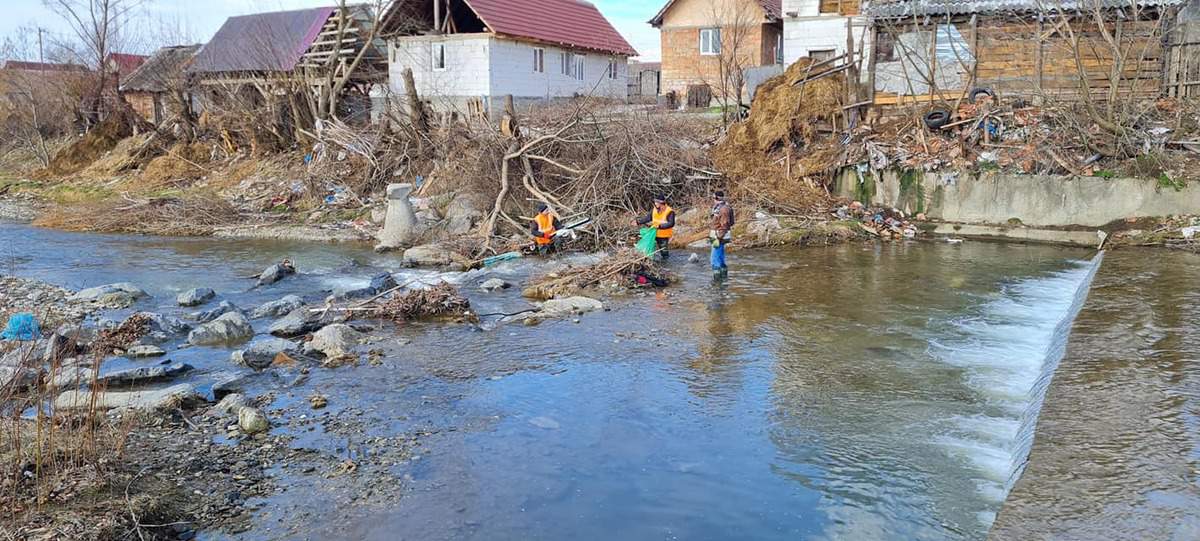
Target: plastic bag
647,244
21,327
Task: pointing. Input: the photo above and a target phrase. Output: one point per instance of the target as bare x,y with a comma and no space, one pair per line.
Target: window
612,68
439,56
779,49
710,41
539,60
566,64
821,55
579,67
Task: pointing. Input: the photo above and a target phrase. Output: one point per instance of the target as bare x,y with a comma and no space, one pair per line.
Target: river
863,391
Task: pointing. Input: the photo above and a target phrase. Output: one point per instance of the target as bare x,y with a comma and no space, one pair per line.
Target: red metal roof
772,8
126,63
571,23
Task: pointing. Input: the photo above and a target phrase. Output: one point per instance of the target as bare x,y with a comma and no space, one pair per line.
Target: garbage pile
883,222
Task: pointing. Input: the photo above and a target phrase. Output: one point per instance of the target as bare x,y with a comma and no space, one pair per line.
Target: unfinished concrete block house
467,55
819,29
709,43
938,50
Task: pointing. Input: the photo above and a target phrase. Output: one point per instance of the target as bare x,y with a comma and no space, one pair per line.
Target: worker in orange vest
662,218
542,228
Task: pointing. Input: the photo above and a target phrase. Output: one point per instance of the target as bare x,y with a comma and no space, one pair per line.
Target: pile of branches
441,300
122,336
621,269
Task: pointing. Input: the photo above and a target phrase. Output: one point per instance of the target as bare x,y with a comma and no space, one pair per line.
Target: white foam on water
1009,352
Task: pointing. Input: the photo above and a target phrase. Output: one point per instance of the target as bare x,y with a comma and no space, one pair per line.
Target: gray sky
200,19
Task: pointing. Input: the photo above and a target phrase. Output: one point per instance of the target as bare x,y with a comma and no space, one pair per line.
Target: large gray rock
217,311
427,255
17,377
231,328
275,273
278,308
494,284
260,353
166,324
382,282
195,296
145,374
335,340
99,293
227,383
143,351
462,214
231,403
69,377
354,293
147,399
297,322
569,306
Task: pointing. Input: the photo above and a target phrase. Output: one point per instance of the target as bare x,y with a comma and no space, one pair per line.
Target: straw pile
123,335
441,300
787,140
621,268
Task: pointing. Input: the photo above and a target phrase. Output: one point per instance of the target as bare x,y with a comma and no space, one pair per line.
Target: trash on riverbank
627,268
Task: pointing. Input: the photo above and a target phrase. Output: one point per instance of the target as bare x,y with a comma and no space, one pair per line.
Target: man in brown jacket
720,233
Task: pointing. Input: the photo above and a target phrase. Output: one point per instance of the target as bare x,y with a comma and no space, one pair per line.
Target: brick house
698,36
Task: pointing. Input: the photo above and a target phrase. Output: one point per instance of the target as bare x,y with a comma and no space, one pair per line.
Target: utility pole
41,51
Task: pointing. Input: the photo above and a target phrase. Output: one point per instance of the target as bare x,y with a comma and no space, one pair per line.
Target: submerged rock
231,404
230,328
427,255
494,284
145,374
260,353
278,308
383,282
296,323
195,296
213,313
166,324
99,292
144,351
150,399
227,383
275,273
569,306
335,340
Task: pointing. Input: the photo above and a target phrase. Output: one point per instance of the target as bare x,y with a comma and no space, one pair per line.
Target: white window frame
578,62
564,58
539,60
710,47
612,68
434,52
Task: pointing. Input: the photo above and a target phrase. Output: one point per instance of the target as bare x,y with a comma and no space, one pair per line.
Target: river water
849,392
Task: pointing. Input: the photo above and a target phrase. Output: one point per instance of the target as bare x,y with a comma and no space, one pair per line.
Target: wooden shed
159,87
936,50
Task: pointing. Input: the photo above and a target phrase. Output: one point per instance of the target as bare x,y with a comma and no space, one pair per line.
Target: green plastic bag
647,244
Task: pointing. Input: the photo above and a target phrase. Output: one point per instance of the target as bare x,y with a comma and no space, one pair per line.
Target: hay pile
788,140
621,269
183,161
196,214
441,300
94,145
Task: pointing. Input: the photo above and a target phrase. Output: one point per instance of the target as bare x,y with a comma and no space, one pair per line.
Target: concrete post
400,224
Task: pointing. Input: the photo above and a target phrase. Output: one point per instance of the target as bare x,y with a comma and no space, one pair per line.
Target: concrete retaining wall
1034,200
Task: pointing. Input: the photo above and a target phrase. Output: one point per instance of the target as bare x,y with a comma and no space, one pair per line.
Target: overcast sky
200,19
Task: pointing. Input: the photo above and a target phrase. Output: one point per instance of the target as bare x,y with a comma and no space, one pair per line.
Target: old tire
980,91
937,118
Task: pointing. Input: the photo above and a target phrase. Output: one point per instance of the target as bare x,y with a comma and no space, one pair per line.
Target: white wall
806,29
512,73
466,73
483,66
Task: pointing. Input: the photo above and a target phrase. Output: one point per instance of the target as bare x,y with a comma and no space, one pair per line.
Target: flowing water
850,392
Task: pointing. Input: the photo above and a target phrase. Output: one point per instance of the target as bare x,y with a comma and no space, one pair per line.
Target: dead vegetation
625,268
441,300
188,215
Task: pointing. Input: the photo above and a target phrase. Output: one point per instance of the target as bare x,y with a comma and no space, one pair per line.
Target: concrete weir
1038,208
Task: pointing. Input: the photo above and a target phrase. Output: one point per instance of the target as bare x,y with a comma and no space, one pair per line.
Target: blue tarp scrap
21,326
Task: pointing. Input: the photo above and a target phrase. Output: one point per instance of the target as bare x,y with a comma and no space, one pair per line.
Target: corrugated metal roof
262,41
908,8
163,67
571,23
126,62
772,8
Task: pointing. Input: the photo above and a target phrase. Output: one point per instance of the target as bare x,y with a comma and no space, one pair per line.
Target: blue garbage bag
21,326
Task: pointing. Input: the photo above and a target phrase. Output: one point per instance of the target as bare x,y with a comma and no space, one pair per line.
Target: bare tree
99,27
736,22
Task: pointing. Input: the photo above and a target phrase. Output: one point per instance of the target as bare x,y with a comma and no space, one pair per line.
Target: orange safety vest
545,223
657,219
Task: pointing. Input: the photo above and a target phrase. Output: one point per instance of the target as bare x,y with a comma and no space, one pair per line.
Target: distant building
483,50
818,29
122,64
644,79
159,87
698,34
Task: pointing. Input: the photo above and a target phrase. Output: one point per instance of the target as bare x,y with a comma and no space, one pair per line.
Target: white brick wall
480,65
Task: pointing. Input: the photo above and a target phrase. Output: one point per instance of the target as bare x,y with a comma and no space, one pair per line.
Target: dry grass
188,215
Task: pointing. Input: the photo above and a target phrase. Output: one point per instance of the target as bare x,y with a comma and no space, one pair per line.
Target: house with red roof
122,64
711,43
467,55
